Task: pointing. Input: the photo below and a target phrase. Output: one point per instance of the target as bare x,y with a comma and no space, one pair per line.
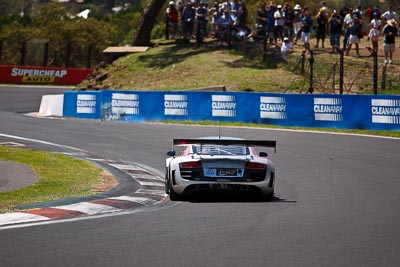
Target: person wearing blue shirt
201,15
307,23
270,24
224,21
188,15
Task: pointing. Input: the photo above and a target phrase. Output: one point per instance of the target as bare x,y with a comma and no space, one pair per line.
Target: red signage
43,75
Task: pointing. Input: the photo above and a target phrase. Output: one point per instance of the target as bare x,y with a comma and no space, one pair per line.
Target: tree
146,23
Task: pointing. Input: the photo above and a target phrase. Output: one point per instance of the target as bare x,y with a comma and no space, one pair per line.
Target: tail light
255,172
190,170
190,165
254,165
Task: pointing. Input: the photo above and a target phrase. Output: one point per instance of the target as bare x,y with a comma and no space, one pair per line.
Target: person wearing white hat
298,15
172,20
279,23
389,34
286,48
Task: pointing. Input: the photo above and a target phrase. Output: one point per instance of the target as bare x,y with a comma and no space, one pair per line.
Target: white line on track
20,217
40,141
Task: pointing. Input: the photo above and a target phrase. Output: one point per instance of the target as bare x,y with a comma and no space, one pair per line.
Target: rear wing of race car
225,142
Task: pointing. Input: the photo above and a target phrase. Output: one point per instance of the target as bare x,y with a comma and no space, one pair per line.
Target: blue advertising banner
84,105
325,111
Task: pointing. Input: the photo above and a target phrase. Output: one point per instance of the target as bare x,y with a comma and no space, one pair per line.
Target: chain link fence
336,74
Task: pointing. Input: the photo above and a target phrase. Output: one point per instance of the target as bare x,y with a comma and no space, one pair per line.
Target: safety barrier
304,110
51,105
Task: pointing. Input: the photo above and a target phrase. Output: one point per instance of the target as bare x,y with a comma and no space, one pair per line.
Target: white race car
219,163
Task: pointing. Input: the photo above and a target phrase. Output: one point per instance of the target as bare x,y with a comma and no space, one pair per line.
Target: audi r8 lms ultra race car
219,164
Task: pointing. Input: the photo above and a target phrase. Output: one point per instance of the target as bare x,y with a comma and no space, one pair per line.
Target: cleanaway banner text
326,111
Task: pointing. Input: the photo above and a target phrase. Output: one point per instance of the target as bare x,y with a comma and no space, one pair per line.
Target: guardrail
305,110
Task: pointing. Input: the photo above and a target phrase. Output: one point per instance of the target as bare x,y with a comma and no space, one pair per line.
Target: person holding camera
335,30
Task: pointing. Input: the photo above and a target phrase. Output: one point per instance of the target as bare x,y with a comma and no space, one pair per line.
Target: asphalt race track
337,201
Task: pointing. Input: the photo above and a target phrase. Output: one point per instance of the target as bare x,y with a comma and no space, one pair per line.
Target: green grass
176,66
171,66
60,176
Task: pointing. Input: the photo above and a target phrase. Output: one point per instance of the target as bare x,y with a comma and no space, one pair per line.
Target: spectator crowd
284,25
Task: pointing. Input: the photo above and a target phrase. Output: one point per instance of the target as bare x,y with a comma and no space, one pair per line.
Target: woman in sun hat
389,34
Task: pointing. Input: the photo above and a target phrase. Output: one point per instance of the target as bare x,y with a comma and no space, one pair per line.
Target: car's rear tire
268,197
167,181
173,196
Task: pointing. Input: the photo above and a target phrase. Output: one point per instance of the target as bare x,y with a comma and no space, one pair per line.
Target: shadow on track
230,197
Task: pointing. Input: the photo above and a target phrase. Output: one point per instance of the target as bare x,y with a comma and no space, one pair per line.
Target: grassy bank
175,66
60,176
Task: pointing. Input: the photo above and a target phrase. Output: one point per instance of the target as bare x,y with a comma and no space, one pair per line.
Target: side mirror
171,153
263,154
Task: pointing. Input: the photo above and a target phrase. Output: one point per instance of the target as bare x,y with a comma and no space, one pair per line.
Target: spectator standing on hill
201,15
225,21
269,28
335,30
307,24
355,29
172,20
187,19
347,21
242,14
288,28
234,10
321,21
261,16
389,33
279,23
375,30
388,15
298,15
215,12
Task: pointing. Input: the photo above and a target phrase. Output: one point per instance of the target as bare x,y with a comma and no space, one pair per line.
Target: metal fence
346,75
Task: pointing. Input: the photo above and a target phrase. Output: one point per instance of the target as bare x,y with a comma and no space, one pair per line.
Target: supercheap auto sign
43,75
